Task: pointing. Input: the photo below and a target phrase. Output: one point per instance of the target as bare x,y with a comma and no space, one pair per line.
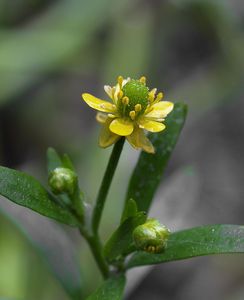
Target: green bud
62,180
151,236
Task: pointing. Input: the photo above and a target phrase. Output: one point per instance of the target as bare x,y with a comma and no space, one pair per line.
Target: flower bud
62,180
151,236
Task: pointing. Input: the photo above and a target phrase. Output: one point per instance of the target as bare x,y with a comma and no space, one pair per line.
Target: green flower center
137,93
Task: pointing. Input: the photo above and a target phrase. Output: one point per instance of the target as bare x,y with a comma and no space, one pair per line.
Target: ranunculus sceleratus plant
134,113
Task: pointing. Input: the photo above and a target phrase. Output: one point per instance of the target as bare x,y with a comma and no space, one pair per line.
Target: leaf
46,237
111,289
130,210
121,240
198,241
67,163
26,191
150,167
53,160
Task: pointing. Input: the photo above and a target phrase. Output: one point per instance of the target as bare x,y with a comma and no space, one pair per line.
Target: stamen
159,97
125,100
120,80
120,94
138,107
132,115
143,79
151,95
112,92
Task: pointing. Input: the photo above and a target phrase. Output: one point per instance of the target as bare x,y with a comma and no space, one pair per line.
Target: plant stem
104,188
93,239
77,203
96,248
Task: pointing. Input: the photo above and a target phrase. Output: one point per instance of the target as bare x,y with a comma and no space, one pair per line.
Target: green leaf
198,241
26,191
53,160
121,241
46,237
130,210
150,167
67,163
111,289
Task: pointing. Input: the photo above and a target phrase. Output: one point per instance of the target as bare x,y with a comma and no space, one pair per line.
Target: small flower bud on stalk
151,236
62,180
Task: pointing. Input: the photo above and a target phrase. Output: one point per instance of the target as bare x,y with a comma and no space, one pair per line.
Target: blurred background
53,50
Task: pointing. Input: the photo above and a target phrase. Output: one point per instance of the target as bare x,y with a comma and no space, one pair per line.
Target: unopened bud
62,180
151,236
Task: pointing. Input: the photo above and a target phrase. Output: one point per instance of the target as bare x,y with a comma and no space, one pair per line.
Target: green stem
96,249
104,188
78,203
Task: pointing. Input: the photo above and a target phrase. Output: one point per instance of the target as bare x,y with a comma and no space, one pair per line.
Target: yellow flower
133,110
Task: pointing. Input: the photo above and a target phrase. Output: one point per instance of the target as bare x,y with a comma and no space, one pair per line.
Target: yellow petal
101,118
108,90
139,140
107,138
121,127
152,126
125,81
99,104
160,110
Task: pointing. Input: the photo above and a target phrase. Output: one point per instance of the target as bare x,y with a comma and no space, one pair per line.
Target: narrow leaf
121,241
198,241
150,167
67,163
51,242
111,289
130,210
26,191
53,160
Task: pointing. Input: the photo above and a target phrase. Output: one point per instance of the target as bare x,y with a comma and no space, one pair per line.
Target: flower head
134,109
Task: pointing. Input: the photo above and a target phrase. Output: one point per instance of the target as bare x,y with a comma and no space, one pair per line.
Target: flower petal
101,118
98,104
121,127
108,90
107,138
139,140
160,110
125,81
152,126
